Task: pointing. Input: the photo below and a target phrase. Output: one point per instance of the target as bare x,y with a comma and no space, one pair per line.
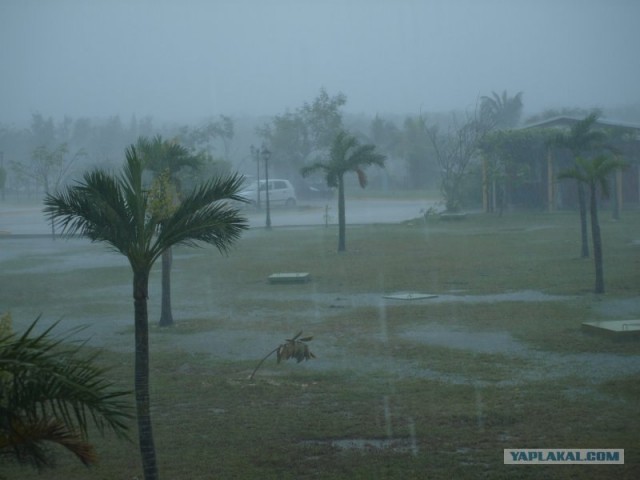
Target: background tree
581,139
594,173
385,135
418,152
323,118
288,136
387,138
208,137
116,210
294,136
454,150
166,159
501,111
50,393
42,131
346,155
49,167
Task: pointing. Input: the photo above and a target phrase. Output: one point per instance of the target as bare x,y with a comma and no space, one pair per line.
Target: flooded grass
432,388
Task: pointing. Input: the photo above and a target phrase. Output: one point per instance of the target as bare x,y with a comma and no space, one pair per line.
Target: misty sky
184,60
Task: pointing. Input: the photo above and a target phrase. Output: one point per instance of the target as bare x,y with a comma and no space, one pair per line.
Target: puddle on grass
333,300
397,445
44,255
479,342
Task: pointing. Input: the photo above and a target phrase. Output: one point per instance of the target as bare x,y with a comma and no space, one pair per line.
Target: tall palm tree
346,155
168,156
501,111
116,210
594,173
49,394
581,139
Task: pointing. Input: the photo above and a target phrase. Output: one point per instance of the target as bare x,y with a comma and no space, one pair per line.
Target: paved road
29,220
358,212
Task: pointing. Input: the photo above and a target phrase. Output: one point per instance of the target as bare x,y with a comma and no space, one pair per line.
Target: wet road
358,212
19,219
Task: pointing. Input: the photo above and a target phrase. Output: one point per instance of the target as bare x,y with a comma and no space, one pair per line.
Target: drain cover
410,296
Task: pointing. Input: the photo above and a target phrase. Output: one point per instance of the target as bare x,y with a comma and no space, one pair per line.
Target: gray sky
187,59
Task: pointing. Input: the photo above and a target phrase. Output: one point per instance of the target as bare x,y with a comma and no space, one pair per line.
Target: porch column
485,186
619,187
550,183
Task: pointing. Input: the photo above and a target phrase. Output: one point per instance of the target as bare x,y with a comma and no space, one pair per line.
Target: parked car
281,192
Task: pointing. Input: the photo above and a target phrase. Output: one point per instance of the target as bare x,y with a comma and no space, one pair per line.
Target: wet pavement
17,219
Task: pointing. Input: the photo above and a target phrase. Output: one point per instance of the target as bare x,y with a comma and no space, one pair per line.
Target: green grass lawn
383,400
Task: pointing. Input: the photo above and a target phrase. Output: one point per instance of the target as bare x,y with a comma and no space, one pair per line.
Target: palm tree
594,173
49,394
346,155
162,156
116,210
579,140
501,111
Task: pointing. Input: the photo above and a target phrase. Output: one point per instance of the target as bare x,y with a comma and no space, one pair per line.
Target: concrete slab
614,327
301,277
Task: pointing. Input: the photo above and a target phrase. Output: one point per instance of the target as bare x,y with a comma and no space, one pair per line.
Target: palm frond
294,347
160,154
593,171
206,216
28,440
314,167
95,208
365,155
51,378
572,173
362,177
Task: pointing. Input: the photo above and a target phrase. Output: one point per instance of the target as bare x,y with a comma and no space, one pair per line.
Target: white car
281,192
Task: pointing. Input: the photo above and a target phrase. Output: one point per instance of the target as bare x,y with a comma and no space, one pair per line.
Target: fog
182,61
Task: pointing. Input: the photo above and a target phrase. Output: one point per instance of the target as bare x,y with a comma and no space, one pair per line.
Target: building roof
563,121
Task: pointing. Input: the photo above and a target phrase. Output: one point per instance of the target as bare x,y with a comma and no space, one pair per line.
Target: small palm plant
295,347
51,392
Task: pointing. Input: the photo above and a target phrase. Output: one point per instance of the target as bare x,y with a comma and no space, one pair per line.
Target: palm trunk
584,235
616,199
166,316
141,381
341,217
597,239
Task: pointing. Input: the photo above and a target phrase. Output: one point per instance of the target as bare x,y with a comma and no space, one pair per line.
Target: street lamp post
256,153
266,154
